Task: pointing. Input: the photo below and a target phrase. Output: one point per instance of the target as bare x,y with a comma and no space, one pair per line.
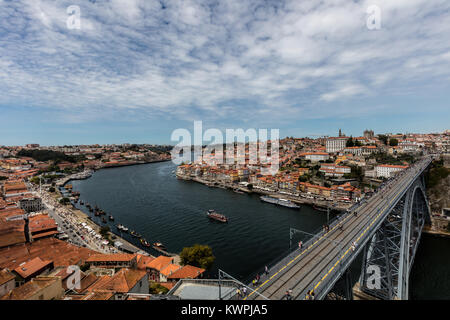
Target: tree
198,255
34,180
64,201
303,178
104,231
383,138
393,142
350,143
156,288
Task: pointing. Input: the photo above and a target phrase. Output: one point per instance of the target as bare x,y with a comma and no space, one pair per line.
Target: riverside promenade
306,199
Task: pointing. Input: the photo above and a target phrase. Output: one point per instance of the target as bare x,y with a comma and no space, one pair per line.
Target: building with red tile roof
143,262
60,252
127,280
32,268
12,233
7,281
186,272
41,226
39,288
117,260
167,271
157,265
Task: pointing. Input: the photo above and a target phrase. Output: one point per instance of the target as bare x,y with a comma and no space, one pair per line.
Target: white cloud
226,59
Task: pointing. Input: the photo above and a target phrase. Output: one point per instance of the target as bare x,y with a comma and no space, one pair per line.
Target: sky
136,70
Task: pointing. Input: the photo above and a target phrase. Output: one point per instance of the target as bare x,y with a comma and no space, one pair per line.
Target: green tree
393,142
350,142
34,180
156,288
198,255
383,138
64,201
104,231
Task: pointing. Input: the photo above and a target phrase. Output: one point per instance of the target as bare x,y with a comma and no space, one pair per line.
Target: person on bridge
300,244
288,295
266,270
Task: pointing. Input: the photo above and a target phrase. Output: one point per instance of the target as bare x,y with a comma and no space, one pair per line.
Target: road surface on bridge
314,266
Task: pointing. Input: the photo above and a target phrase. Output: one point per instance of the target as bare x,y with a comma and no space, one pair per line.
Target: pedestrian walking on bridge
266,270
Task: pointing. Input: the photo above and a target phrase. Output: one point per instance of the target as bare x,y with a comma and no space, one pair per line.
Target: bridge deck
322,262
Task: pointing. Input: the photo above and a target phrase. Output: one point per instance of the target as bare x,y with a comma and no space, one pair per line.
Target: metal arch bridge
386,228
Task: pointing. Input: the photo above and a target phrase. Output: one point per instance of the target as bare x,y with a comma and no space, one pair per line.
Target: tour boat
216,216
111,218
145,243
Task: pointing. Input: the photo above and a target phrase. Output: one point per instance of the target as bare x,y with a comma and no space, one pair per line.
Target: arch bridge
385,227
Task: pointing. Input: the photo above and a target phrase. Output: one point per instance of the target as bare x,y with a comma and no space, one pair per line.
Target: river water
152,201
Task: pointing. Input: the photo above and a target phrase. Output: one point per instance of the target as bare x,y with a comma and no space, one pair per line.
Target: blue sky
138,69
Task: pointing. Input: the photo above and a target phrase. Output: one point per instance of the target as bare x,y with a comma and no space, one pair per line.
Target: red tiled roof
6,276
124,280
187,272
117,257
160,262
169,269
28,268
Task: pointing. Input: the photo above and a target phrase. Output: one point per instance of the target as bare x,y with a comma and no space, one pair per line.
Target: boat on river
212,214
281,202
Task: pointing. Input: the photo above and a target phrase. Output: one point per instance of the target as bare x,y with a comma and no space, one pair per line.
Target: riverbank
320,205
115,237
439,233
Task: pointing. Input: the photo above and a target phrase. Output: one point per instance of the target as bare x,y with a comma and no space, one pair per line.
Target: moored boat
319,208
281,202
145,243
159,245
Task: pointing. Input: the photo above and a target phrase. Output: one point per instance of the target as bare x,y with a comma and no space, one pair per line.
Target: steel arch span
389,255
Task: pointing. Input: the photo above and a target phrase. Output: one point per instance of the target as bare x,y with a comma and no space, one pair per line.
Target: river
152,201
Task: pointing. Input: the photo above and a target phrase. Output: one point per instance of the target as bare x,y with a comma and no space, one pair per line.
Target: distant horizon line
315,136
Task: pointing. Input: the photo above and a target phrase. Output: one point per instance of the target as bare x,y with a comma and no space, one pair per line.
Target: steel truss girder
389,256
